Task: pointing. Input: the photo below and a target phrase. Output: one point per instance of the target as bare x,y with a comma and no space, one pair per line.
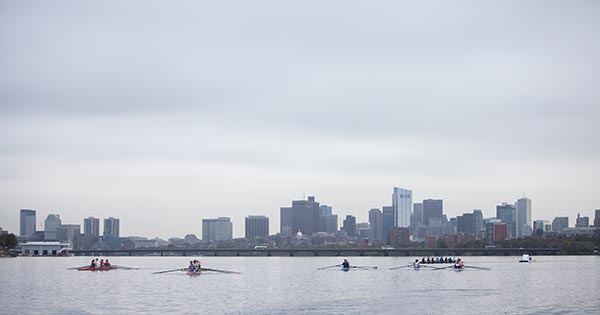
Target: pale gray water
292,285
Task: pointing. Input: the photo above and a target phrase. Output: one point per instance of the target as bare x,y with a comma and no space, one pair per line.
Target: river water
292,285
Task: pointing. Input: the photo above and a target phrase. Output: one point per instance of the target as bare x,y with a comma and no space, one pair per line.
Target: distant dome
299,234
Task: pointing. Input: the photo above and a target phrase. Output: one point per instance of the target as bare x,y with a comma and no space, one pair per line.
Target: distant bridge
419,252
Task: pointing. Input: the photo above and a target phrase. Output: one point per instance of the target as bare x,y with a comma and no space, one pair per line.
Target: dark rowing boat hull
89,268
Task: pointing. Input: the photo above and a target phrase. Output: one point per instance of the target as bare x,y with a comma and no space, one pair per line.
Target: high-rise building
433,210
388,222
523,217
363,230
376,223
91,226
559,224
506,212
111,227
67,233
417,214
597,218
51,225
350,225
478,221
582,222
27,226
219,229
541,226
302,216
466,224
495,231
402,203
257,226
328,221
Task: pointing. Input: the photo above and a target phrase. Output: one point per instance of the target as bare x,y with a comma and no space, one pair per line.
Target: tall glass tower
402,205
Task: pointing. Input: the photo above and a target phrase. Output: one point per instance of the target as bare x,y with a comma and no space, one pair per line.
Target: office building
219,229
417,218
541,226
582,222
376,223
559,224
27,223
496,231
328,222
302,216
506,212
388,222
51,225
433,210
523,217
399,236
597,218
111,227
67,233
466,224
402,203
350,225
91,226
257,226
363,230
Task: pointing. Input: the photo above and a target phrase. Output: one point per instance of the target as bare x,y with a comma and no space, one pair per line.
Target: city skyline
162,115
341,216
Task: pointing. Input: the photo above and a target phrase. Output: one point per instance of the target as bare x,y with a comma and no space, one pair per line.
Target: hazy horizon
162,114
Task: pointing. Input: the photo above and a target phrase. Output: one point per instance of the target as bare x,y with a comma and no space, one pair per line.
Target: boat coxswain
416,264
459,264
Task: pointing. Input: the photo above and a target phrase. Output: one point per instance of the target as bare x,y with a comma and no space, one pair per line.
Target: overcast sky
162,113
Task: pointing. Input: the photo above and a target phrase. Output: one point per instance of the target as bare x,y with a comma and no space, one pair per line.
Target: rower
192,267
345,264
106,263
416,264
459,264
93,264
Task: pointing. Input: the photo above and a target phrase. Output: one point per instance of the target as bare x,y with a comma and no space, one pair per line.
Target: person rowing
459,264
107,264
416,264
345,264
192,267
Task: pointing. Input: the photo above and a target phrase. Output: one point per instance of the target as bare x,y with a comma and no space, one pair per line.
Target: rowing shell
89,268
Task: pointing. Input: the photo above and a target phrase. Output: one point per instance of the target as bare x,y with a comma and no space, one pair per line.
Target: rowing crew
195,266
438,260
458,264
97,264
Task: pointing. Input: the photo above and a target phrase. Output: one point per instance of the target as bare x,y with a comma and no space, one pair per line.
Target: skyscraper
388,222
51,225
506,213
350,225
376,224
27,226
327,220
597,218
111,227
219,229
91,226
402,203
433,210
302,216
257,226
523,217
417,214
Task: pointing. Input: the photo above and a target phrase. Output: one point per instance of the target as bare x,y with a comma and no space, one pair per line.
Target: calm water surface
292,285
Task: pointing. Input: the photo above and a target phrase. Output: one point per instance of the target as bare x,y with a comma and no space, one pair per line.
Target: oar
78,267
432,267
125,267
221,271
172,270
394,268
364,267
480,268
329,267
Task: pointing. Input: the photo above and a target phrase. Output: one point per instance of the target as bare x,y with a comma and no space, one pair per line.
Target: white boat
526,258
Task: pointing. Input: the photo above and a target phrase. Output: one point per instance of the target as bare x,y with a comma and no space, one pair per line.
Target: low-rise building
45,249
